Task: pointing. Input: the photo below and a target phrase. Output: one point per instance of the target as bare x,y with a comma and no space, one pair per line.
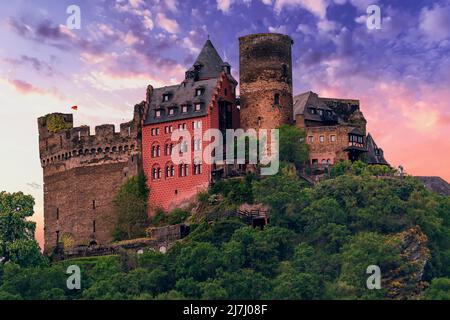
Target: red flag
75,108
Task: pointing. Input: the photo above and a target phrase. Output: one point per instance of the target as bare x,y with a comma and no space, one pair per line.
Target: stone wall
82,174
327,150
266,71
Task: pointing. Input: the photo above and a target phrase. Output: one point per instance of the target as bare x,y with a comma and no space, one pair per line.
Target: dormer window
166,97
199,92
197,107
171,111
157,113
184,109
312,111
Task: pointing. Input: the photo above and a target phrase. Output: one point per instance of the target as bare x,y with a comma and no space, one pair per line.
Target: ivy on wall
56,123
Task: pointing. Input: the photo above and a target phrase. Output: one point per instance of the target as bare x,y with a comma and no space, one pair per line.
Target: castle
83,172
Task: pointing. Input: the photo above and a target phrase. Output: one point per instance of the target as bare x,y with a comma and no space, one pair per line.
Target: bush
130,209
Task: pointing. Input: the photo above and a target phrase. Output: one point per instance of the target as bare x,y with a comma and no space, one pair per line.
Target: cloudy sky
401,73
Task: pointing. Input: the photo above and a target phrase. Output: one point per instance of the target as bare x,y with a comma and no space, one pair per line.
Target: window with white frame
184,170
197,144
169,149
156,151
197,167
170,171
156,173
197,125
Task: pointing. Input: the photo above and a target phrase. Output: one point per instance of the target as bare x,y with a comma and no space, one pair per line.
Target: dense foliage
292,147
130,208
17,243
318,245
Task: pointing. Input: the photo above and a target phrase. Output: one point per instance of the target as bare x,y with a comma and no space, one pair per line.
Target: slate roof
210,61
374,154
208,67
180,95
303,102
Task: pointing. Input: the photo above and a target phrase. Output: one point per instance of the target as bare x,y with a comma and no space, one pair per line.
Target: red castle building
206,99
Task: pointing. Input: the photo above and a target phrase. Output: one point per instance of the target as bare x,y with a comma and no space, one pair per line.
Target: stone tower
82,174
266,80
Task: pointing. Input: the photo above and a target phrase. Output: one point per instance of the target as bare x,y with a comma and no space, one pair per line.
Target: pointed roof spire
209,61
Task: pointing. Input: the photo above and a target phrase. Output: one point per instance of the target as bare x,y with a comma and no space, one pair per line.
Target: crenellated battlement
63,147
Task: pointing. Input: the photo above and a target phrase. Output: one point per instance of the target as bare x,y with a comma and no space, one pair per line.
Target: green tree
199,261
365,249
213,290
293,148
17,242
294,285
130,208
34,283
245,285
438,290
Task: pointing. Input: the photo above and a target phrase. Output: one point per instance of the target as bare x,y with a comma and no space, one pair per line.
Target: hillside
318,245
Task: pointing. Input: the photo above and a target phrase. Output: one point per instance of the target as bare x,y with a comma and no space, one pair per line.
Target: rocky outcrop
405,281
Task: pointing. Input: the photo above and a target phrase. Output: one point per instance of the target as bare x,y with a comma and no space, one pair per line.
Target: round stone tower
266,80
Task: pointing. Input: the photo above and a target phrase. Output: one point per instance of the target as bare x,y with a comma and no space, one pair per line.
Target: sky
400,73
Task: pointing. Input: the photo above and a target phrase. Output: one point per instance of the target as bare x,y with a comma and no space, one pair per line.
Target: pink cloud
410,124
25,87
167,24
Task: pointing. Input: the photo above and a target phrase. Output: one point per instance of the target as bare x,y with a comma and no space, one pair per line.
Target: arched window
168,149
183,146
197,167
156,151
170,170
156,172
183,170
